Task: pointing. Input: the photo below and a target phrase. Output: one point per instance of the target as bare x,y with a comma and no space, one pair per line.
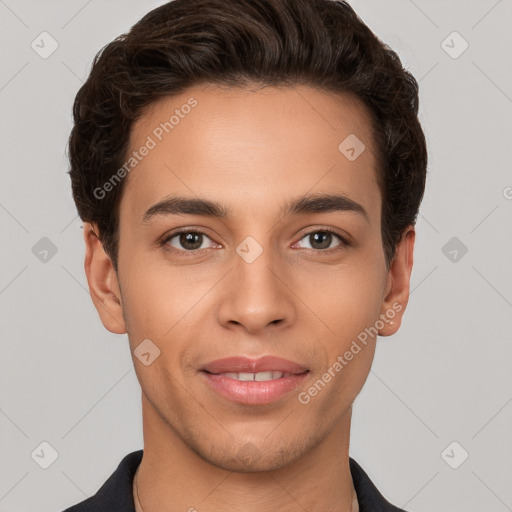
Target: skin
252,150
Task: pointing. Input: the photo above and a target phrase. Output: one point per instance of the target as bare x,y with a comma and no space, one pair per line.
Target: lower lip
253,392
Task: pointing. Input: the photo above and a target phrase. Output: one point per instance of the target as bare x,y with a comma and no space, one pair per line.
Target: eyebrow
312,203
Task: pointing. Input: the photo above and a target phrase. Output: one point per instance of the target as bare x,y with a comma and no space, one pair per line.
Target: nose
258,294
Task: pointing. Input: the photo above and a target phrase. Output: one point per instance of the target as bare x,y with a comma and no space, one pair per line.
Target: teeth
261,376
231,375
258,377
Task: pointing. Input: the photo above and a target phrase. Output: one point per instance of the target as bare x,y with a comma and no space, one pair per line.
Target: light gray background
444,377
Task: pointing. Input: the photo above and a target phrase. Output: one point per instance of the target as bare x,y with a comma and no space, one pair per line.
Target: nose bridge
258,295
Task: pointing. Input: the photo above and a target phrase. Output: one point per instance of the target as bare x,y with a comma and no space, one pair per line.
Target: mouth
254,381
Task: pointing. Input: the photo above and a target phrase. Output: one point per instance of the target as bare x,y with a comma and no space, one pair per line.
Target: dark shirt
116,494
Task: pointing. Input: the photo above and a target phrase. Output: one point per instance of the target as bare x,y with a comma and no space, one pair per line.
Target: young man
249,174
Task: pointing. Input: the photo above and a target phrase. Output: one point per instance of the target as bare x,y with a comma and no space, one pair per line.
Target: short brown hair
320,43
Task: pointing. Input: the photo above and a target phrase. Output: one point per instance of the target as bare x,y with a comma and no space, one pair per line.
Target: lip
246,364
253,392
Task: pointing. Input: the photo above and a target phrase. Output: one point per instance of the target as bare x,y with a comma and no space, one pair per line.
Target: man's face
260,280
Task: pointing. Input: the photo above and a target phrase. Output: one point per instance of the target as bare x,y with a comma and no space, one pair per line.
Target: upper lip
245,364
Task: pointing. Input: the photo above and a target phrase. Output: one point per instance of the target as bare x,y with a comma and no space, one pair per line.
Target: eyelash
183,253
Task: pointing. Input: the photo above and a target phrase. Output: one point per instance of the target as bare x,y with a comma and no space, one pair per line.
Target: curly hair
318,43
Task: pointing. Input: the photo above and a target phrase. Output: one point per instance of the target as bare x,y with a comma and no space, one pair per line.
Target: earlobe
398,284
103,282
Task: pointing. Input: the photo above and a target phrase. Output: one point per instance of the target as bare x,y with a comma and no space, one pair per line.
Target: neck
173,477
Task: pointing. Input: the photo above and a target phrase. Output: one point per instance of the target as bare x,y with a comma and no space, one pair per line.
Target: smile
259,377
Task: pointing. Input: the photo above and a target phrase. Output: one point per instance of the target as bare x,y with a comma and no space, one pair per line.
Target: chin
250,458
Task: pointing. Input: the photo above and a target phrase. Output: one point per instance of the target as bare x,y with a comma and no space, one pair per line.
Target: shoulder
115,495
368,496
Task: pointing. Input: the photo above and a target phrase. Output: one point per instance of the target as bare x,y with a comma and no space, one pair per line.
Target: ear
396,294
103,282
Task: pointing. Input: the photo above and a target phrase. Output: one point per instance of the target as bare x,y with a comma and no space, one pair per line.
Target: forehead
251,146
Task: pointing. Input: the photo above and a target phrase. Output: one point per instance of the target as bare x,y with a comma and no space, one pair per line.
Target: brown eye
321,240
186,241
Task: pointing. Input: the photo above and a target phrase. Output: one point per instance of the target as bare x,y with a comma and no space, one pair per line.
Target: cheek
146,297
348,306
162,303
348,303
347,298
